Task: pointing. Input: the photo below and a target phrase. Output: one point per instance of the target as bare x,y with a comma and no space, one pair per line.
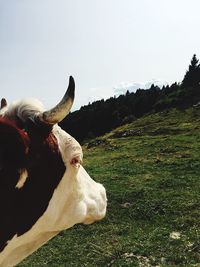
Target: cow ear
3,103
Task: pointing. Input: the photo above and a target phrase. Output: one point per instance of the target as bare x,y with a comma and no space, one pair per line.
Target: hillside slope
151,170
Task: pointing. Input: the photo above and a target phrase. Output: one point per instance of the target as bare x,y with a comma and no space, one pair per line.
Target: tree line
102,116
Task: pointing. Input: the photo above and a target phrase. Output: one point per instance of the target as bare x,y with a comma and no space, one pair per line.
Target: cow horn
3,103
60,111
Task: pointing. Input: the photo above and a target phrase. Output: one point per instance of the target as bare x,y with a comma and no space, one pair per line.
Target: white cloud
133,86
104,92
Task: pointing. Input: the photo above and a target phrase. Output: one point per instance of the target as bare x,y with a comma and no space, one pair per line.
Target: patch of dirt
128,133
101,143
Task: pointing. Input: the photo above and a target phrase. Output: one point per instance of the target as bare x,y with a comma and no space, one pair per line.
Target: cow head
43,187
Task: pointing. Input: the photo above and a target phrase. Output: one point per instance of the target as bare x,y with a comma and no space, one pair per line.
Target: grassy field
151,170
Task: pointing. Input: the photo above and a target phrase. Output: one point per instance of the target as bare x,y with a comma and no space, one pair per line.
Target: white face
83,200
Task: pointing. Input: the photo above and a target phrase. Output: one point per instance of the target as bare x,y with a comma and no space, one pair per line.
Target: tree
192,76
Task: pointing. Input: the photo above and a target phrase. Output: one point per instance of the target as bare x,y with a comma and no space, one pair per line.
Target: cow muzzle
96,208
96,203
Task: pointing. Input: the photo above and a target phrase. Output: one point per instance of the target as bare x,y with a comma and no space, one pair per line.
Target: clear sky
105,44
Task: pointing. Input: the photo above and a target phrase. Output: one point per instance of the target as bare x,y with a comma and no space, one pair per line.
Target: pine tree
192,76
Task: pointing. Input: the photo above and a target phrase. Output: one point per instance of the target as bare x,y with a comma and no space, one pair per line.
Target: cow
44,188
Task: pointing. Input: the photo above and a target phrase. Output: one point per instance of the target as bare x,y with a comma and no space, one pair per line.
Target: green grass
153,190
